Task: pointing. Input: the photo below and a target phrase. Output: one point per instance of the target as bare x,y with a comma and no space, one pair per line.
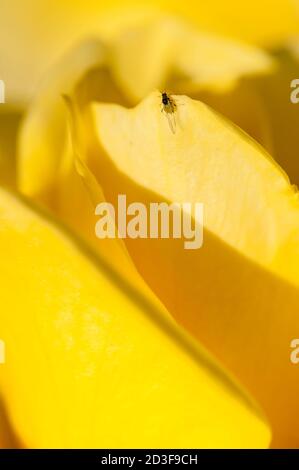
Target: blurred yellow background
33,32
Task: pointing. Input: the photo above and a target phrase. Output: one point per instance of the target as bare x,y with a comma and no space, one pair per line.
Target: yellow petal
282,114
92,363
138,63
244,106
265,23
239,292
9,124
7,437
212,62
78,194
43,138
61,23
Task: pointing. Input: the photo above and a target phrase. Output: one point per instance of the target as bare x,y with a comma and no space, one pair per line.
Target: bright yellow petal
239,293
92,363
212,62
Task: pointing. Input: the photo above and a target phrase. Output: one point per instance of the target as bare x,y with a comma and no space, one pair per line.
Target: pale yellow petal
167,52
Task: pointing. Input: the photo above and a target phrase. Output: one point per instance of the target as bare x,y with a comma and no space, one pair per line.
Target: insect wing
171,121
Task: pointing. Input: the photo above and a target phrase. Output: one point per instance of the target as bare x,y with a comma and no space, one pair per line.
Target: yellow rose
98,332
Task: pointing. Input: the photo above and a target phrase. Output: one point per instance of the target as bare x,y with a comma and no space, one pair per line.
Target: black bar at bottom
141,458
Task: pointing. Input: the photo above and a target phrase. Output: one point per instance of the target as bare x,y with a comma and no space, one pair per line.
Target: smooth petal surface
239,292
96,363
282,114
7,438
165,52
45,128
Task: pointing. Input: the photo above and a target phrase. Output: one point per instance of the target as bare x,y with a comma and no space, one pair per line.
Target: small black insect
169,108
165,98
